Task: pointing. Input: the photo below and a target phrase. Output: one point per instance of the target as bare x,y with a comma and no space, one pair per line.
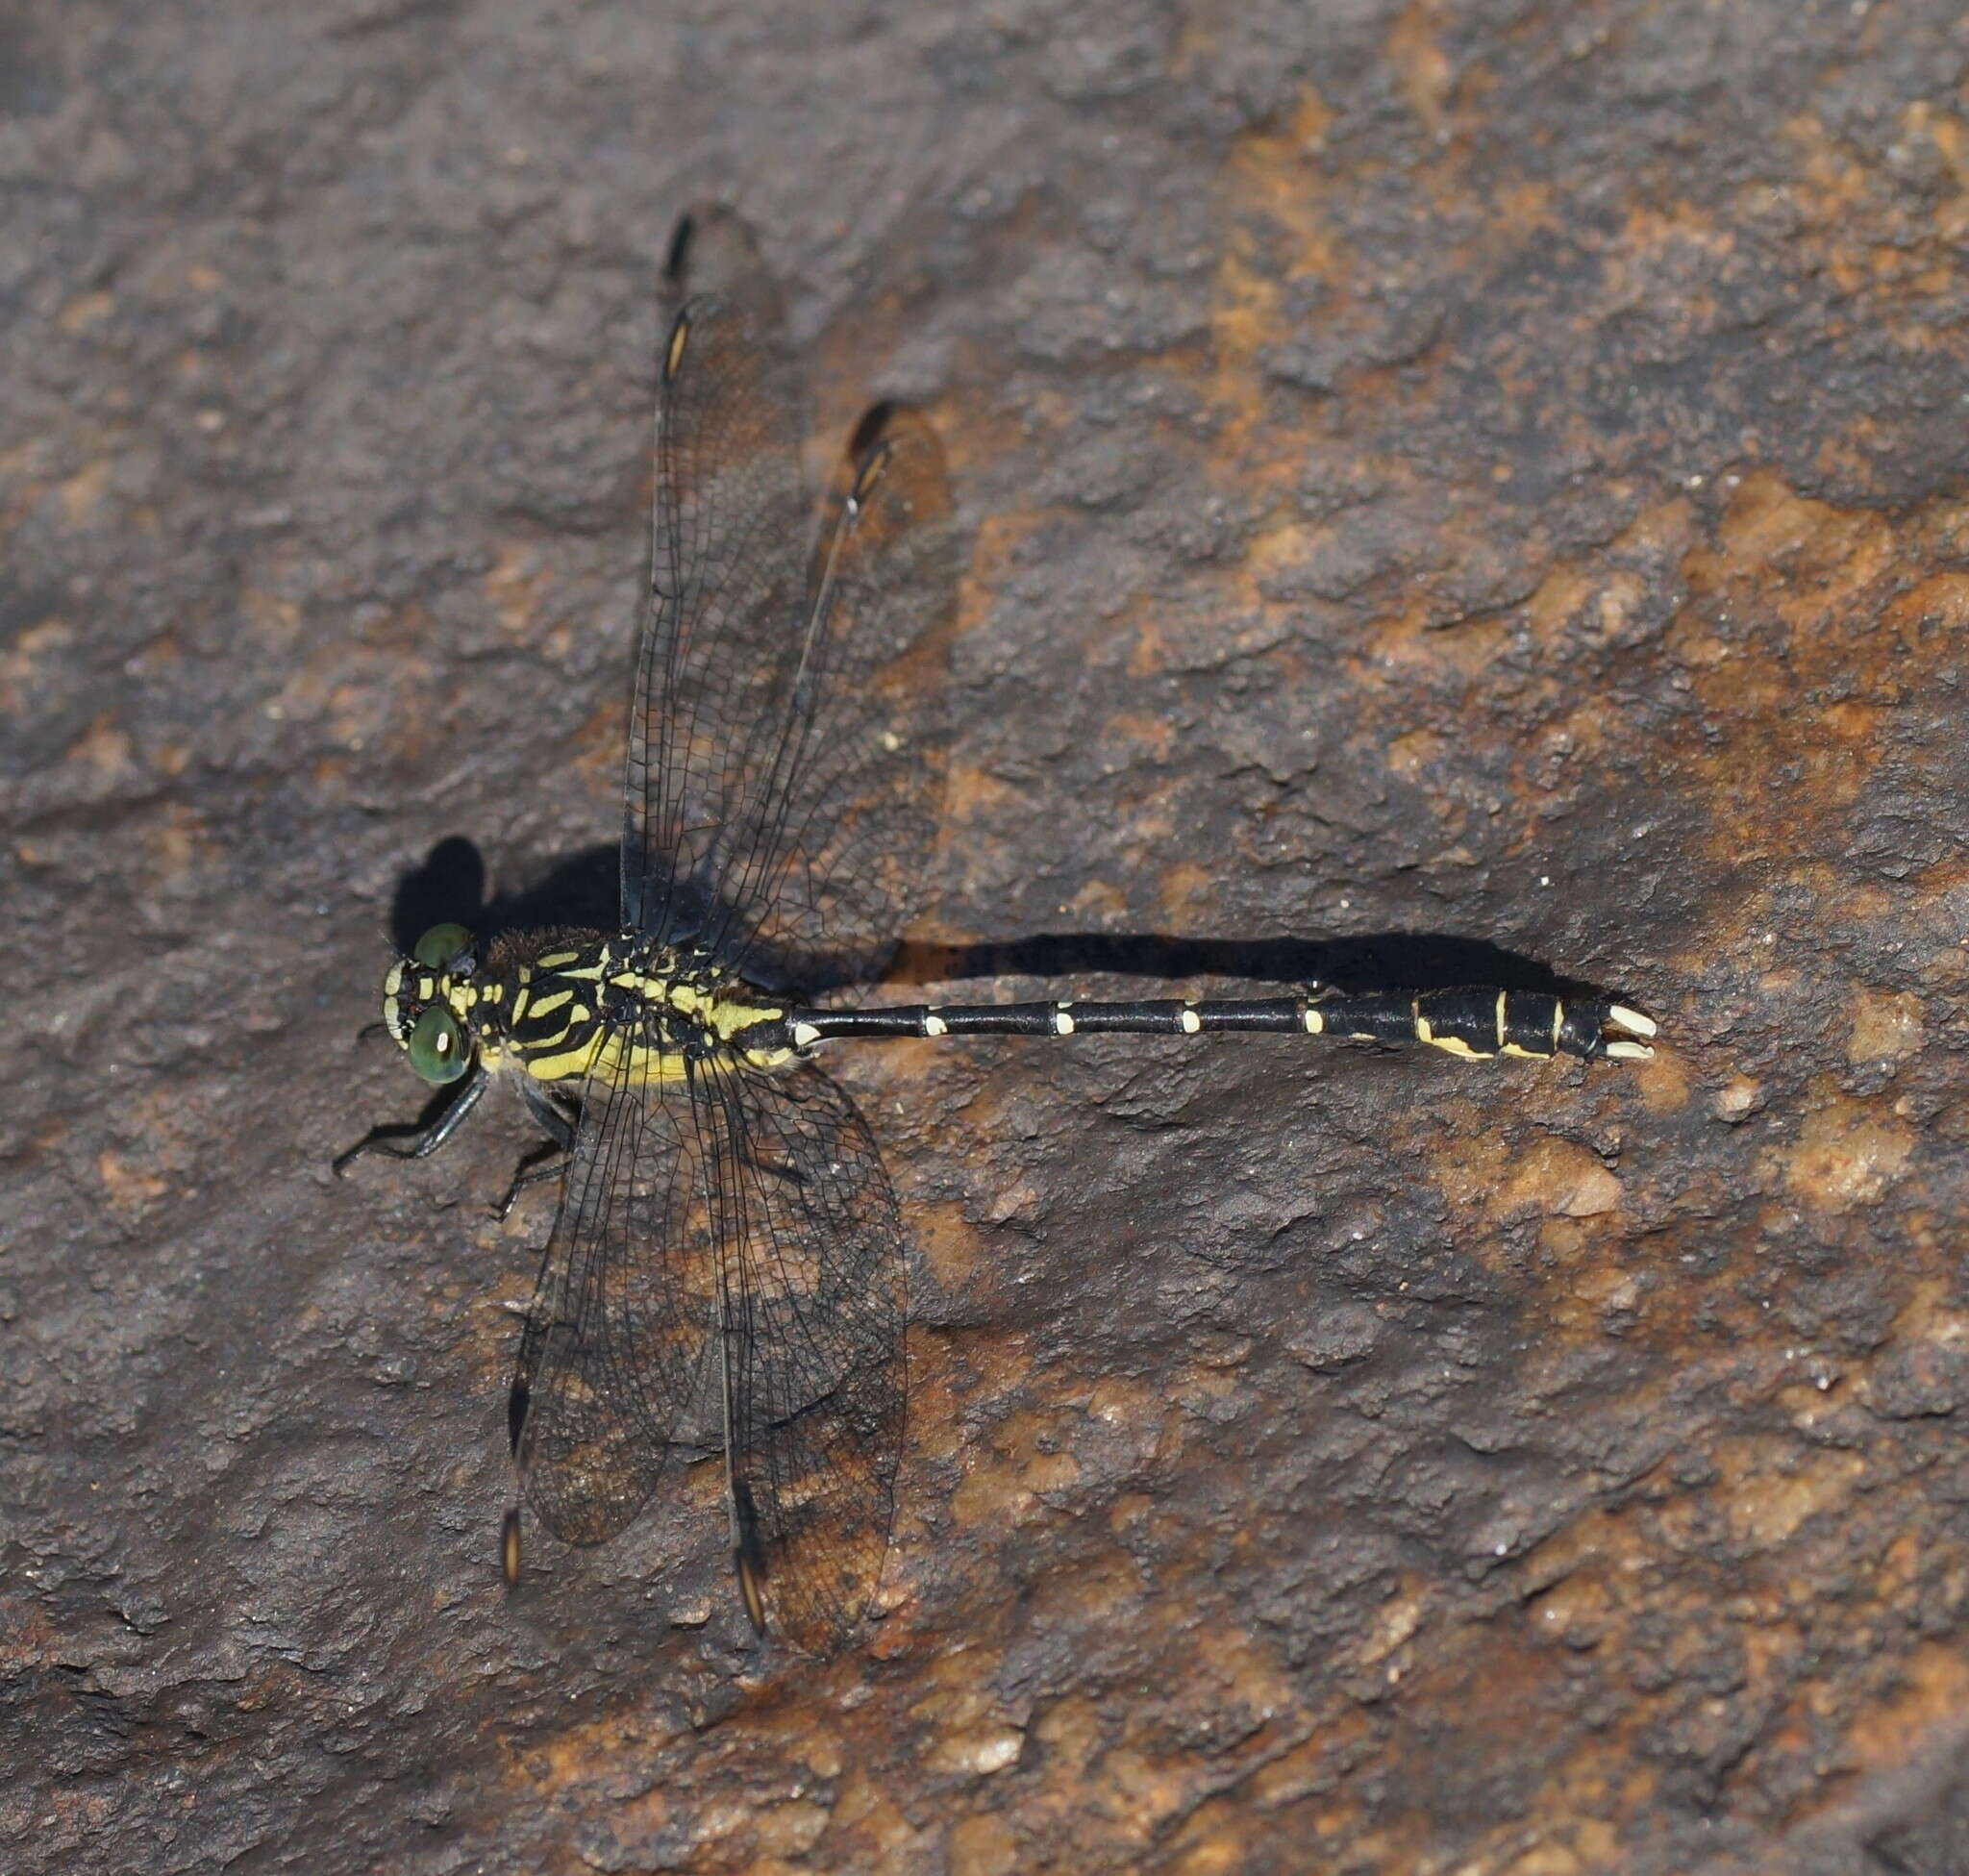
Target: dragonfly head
426,1001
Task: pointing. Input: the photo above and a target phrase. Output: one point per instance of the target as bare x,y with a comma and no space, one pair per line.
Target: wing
615,1333
787,717
824,872
813,1286
727,574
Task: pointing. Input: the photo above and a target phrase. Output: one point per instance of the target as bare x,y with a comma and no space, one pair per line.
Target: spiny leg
546,1160
420,1142
748,1550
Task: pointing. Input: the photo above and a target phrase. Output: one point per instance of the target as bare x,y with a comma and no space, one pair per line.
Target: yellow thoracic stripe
582,1046
604,1056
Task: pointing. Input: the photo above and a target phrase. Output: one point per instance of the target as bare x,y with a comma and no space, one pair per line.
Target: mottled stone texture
1492,470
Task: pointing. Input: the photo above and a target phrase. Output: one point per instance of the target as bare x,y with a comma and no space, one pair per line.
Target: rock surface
1468,471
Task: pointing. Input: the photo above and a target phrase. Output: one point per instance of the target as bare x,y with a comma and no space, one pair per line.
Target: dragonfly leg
779,1166
420,1142
547,1160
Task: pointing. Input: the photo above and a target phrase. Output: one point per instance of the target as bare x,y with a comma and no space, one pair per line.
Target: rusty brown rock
1475,470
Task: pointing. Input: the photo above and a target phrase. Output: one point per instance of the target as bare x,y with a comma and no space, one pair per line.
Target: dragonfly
726,1271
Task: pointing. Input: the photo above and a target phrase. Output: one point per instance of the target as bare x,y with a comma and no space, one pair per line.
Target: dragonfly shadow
1419,961
583,892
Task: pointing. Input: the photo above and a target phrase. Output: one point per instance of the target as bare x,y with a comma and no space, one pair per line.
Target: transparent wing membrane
786,746
824,880
739,1228
727,1263
812,1314
615,1334
728,577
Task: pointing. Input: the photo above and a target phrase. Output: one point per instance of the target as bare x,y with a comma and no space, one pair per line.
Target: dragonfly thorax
562,1006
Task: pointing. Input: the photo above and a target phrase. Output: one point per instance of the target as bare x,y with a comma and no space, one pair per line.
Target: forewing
728,573
813,1281
616,1331
787,752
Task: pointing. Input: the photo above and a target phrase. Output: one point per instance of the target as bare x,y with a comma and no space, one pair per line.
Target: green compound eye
436,1047
440,945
